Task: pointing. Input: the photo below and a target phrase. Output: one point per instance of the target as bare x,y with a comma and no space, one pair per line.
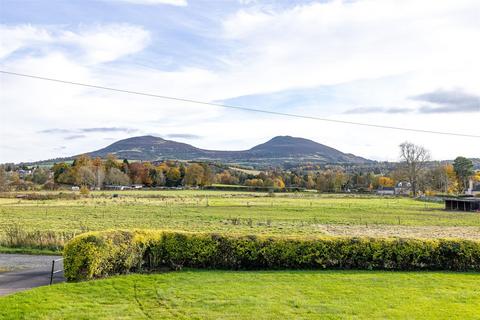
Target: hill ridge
277,149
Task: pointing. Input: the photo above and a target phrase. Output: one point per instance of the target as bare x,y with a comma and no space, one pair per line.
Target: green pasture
225,212
259,295
294,214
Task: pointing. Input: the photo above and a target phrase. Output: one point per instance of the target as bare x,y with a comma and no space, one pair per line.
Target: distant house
476,190
473,188
116,187
386,191
403,188
23,173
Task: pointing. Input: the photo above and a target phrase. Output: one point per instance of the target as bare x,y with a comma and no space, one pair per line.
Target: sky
406,63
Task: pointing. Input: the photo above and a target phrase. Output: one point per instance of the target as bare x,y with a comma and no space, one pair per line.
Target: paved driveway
26,272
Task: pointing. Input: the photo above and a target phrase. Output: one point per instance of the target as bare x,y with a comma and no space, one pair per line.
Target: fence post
51,273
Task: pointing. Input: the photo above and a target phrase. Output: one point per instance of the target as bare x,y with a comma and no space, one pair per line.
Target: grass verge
30,251
192,294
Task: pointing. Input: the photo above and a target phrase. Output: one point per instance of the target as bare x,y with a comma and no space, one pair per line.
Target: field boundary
101,254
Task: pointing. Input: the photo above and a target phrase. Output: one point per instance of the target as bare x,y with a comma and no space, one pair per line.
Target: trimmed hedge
100,254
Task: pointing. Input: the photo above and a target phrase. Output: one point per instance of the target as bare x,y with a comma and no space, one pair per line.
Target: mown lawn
259,295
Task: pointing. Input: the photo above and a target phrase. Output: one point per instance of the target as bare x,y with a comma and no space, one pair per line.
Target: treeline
85,171
99,173
15,178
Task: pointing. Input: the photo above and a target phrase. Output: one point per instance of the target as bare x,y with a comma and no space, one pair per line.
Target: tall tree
99,172
116,177
82,160
111,162
441,178
207,178
3,178
463,170
58,169
278,183
40,176
194,175
157,176
414,158
85,176
125,166
226,178
138,172
173,176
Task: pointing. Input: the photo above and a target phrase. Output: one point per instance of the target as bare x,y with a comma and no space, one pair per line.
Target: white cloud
107,42
337,42
409,47
180,3
91,45
13,38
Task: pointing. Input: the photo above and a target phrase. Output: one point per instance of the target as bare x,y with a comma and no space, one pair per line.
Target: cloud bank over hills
408,63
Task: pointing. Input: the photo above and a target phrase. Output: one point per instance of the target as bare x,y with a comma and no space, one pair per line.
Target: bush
100,254
84,191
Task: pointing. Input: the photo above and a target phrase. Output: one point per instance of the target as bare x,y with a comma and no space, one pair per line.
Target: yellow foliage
386,182
476,177
84,191
453,187
278,183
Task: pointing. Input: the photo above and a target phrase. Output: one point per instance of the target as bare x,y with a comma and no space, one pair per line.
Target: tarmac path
22,272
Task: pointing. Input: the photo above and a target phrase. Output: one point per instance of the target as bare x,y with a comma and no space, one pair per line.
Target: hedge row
100,254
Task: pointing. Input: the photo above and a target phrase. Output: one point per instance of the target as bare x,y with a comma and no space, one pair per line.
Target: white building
473,188
386,191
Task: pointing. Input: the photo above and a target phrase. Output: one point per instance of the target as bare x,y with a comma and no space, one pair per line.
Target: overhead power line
248,109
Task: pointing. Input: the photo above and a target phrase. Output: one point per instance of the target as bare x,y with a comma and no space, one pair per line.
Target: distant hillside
475,161
149,148
286,147
281,149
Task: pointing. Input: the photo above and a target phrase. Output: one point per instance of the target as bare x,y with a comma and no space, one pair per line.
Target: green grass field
297,214
243,295
260,295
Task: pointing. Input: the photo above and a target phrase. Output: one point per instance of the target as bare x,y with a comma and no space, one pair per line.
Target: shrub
100,254
84,191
